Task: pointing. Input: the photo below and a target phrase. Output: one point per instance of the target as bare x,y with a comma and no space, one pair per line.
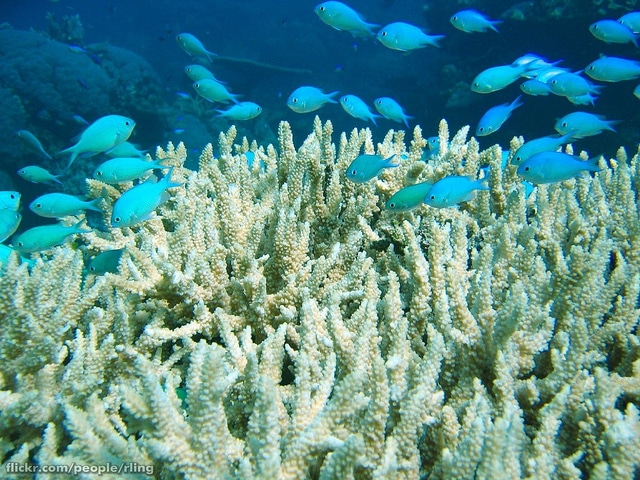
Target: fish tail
483,183
516,103
55,179
331,95
167,180
492,25
77,228
94,204
593,164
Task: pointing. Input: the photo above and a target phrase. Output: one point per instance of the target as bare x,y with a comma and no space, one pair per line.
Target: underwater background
133,66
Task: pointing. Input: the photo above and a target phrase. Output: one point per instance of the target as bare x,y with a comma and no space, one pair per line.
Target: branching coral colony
275,321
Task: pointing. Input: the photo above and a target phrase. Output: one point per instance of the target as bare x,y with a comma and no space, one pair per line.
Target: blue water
289,34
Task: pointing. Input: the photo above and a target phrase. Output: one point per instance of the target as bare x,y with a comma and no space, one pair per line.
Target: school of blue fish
538,161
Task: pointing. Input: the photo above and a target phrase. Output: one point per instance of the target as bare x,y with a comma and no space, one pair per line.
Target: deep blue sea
296,48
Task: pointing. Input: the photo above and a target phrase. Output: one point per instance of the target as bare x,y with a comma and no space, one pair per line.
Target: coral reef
277,322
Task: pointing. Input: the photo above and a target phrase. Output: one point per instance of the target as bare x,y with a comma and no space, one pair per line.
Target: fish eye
481,129
92,268
554,81
259,109
99,173
354,172
196,85
38,205
117,220
344,99
455,17
595,27
12,196
564,124
591,67
384,34
526,169
295,100
379,102
322,9
432,197
476,84
392,205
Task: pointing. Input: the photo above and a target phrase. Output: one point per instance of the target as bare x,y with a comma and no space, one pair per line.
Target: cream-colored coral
275,321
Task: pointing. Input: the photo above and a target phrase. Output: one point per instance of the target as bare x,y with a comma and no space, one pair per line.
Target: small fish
572,85
55,205
10,200
46,236
613,69
583,124
631,20
95,59
105,262
190,44
308,99
535,87
365,167
452,190
241,111
496,78
76,49
409,197
355,107
552,167
36,174
118,170
344,19
406,37
391,110
102,135
183,95
610,31
471,21
214,91
198,72
179,131
139,203
79,120
495,117
30,142
82,83
9,221
125,150
537,145
433,144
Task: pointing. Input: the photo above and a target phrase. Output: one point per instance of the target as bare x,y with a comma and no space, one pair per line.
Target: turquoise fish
198,72
537,145
356,107
102,135
495,117
119,170
139,203
308,99
241,111
583,124
125,149
613,69
10,200
391,110
30,141
9,221
54,205
496,78
406,37
452,190
470,21
365,167
345,19
46,236
214,91
409,197
552,167
36,174
190,44
610,31
105,262
631,20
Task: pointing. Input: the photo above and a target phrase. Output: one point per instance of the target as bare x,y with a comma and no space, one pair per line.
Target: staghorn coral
277,322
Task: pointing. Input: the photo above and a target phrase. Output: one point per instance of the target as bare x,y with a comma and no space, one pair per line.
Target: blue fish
309,99
45,237
631,20
537,145
365,167
613,69
406,37
470,21
139,203
552,167
356,107
495,117
452,190
496,78
344,18
583,124
610,31
409,197
391,110
569,84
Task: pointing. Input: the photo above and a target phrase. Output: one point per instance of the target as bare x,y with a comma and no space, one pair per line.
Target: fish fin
331,95
492,25
93,204
78,226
